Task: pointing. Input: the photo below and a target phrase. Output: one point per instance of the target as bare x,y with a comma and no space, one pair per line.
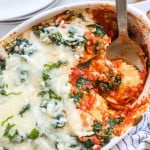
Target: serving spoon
123,47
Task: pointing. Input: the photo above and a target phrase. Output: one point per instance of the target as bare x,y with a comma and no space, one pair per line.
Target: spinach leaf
49,67
97,126
88,143
20,46
71,32
116,81
98,29
5,91
24,109
113,122
81,82
76,97
50,92
8,134
33,134
53,35
59,121
8,118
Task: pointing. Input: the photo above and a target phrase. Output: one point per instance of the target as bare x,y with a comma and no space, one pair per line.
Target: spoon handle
121,7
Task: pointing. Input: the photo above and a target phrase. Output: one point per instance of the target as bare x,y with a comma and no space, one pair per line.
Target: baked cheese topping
59,92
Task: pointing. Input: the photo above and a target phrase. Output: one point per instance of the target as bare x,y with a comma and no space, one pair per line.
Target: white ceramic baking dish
139,26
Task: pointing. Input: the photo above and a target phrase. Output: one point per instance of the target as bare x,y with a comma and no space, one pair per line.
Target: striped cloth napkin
138,138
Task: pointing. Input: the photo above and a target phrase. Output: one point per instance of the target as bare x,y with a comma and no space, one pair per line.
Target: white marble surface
5,28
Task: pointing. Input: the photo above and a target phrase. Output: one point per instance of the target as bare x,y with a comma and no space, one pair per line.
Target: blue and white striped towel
138,138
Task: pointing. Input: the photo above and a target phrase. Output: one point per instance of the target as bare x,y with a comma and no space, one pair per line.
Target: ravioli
58,90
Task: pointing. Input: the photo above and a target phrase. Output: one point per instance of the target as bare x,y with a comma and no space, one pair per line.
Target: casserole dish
139,30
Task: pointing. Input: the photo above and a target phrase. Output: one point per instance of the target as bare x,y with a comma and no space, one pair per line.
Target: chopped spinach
57,38
8,118
81,82
5,91
23,75
73,145
76,97
74,42
116,81
49,67
24,109
33,134
54,65
97,126
104,86
98,29
88,143
20,46
113,122
113,83
37,31
71,32
8,134
59,121
50,93
53,35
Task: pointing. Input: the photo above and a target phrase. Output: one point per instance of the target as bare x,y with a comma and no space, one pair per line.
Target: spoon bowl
123,47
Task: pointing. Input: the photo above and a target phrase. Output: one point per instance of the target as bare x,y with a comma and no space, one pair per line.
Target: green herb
20,46
4,90
113,122
23,75
88,143
71,32
54,65
104,86
76,97
105,141
97,126
8,118
98,29
57,38
113,83
9,135
107,133
75,42
56,145
37,31
81,82
24,109
73,145
33,134
116,81
49,67
51,94
59,121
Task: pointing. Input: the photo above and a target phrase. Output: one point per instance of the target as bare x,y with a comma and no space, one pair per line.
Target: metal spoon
123,47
